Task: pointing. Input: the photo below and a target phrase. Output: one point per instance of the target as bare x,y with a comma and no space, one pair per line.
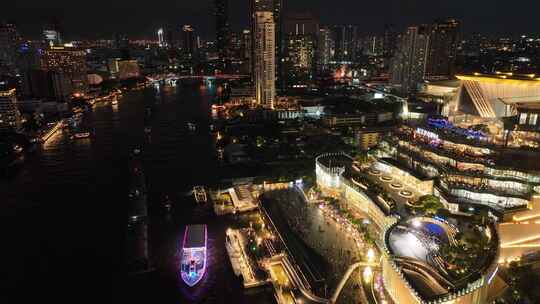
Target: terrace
441,256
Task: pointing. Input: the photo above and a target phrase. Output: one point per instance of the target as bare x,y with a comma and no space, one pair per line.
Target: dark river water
63,214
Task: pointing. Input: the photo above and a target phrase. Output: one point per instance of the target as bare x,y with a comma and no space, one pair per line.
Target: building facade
409,63
264,59
223,31
67,69
443,42
10,117
9,43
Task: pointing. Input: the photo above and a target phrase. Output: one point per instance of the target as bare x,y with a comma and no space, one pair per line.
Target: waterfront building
472,172
124,69
415,267
10,117
264,59
67,69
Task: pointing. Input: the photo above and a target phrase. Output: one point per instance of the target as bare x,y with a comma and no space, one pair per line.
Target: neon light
186,275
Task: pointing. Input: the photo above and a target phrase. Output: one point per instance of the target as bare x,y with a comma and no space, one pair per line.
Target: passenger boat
193,257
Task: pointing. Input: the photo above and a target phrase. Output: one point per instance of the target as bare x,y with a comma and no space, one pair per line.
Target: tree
430,204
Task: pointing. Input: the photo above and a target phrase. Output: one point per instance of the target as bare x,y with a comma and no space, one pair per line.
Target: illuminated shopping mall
416,250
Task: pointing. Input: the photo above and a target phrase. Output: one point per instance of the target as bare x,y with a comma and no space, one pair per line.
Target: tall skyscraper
300,37
325,49
222,29
264,59
409,63
9,43
276,7
389,41
53,33
443,41
189,42
346,42
10,118
161,38
246,44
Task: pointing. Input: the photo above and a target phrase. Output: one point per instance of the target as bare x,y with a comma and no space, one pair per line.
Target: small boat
200,194
17,149
193,257
80,135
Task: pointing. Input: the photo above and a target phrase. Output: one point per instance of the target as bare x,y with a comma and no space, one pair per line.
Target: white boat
81,135
193,257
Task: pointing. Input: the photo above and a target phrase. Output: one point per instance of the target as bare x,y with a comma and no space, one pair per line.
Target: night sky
137,18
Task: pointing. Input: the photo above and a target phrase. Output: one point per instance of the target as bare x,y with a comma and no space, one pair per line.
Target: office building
264,59
10,118
189,42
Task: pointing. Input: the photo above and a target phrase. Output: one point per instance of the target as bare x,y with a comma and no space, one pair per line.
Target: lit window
533,119
523,118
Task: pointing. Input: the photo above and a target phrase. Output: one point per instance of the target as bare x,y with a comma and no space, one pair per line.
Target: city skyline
271,151
125,17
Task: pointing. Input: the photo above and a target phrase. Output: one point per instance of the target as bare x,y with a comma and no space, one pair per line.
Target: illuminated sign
427,133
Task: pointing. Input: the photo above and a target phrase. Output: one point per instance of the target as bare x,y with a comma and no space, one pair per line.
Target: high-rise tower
264,59
222,29
443,42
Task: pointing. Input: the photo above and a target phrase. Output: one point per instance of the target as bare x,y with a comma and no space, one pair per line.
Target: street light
371,255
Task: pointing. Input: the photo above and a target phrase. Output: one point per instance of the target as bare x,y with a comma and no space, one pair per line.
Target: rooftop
436,258
195,236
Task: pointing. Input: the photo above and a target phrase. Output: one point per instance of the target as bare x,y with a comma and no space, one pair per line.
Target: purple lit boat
193,259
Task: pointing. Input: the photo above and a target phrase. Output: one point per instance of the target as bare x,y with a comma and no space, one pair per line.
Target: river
64,212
